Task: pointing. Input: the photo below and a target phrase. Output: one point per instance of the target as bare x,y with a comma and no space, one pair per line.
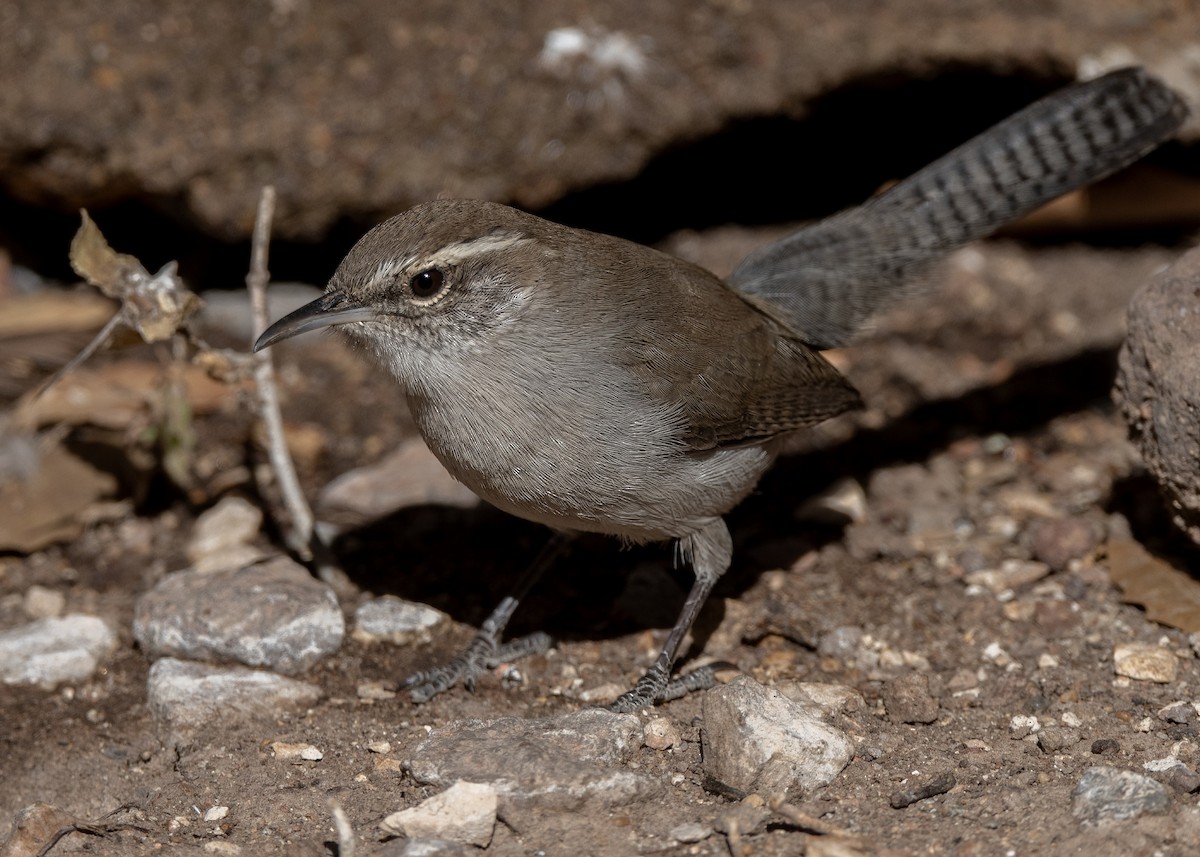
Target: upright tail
828,279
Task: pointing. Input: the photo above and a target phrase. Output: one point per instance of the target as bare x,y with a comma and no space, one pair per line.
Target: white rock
1145,662
221,536
395,620
465,812
830,698
756,739
43,603
51,651
187,694
1022,725
286,752
216,813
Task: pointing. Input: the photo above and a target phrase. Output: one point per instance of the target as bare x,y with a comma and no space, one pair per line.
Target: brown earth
987,441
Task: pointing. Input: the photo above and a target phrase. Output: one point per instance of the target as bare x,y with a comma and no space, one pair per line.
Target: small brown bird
597,385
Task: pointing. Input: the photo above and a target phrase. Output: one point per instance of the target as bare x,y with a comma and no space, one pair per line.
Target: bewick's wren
597,385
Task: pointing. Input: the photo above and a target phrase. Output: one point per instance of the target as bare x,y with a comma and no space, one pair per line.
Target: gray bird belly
594,473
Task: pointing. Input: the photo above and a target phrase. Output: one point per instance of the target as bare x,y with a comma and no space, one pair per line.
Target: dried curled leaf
155,306
1168,595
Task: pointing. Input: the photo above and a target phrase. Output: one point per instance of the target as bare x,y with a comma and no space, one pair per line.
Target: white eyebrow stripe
388,268
452,254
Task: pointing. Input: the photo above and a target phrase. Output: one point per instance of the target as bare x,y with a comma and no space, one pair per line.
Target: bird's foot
656,686
484,653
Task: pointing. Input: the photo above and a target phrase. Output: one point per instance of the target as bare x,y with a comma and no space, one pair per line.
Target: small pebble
381,747
938,785
995,653
690,832
840,643
660,733
1023,725
1012,574
375,691
1057,541
286,752
187,694
216,813
1051,739
907,699
1145,662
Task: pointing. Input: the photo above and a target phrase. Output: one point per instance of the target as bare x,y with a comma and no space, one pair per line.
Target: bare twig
345,833
102,827
268,395
733,837
303,537
88,350
839,840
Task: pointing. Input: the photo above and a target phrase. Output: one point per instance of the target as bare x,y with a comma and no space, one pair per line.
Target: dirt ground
995,488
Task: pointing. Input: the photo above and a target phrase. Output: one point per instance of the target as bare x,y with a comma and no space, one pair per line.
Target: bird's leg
710,550
485,650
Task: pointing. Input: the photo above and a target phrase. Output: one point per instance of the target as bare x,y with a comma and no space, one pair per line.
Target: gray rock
410,475
1181,778
188,694
1179,711
395,620
427,848
274,615
1104,795
907,699
1053,739
1158,387
840,643
465,812
52,651
560,763
756,739
690,832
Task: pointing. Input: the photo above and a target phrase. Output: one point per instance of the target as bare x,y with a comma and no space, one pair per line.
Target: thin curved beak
329,309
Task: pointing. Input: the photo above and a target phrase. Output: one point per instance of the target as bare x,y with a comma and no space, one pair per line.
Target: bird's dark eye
427,284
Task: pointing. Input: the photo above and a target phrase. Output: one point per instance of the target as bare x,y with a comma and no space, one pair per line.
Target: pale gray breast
574,442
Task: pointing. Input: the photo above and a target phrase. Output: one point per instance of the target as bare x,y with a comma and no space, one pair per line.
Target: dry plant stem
301,532
88,350
733,837
802,820
345,833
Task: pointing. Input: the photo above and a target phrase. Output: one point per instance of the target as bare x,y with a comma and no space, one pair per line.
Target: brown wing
738,375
